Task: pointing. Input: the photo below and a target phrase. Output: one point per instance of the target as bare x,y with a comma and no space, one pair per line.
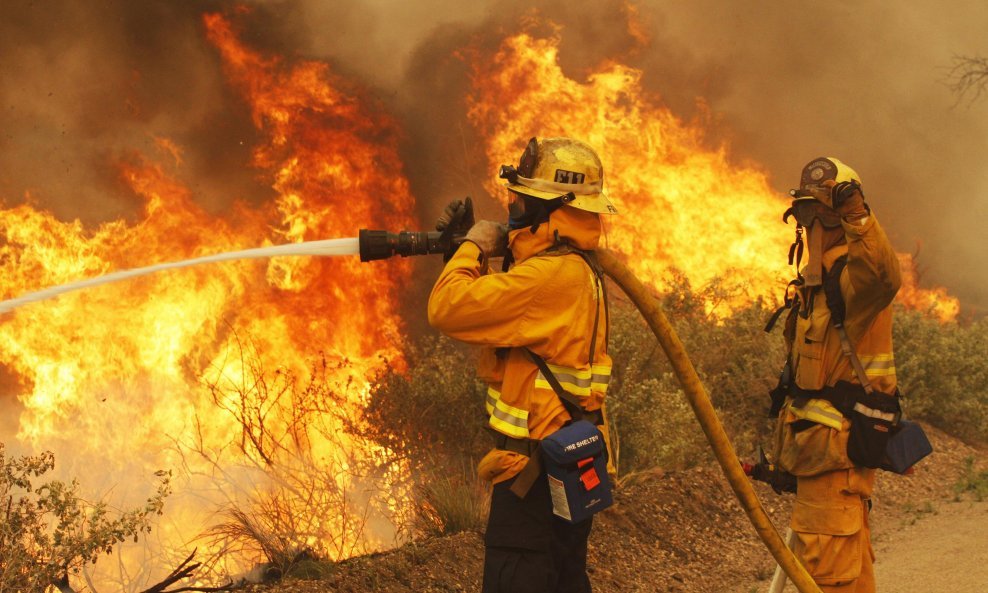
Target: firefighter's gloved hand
847,199
490,236
459,213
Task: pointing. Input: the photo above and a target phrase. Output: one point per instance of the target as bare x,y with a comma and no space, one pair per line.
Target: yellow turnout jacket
868,284
547,303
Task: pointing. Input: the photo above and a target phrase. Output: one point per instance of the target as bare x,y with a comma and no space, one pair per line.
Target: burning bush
315,490
432,419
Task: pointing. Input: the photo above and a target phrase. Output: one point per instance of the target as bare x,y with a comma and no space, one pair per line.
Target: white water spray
328,247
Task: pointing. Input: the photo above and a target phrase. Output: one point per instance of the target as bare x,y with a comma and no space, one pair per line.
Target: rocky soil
676,531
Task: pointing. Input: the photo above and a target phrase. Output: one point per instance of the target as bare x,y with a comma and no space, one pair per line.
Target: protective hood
578,228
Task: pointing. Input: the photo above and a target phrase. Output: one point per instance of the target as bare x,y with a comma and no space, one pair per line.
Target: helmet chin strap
796,249
531,212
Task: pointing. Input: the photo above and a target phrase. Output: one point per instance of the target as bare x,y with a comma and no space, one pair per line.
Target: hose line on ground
707,416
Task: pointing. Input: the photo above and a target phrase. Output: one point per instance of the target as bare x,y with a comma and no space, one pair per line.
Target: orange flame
933,301
117,371
685,205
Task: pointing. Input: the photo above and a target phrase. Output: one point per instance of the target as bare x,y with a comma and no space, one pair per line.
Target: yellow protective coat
830,511
546,303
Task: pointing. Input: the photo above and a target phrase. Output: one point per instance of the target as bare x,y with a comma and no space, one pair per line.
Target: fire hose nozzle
383,245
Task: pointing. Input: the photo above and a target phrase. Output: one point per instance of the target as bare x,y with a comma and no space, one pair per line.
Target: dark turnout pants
530,550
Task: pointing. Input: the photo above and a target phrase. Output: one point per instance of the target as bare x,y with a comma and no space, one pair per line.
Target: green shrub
942,372
431,418
736,361
438,405
433,410
47,531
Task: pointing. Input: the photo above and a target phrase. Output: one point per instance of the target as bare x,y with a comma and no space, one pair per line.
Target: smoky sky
83,84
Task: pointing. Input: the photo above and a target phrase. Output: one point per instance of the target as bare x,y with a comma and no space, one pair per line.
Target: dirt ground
684,532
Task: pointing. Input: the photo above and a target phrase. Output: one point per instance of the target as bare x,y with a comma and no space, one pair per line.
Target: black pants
530,550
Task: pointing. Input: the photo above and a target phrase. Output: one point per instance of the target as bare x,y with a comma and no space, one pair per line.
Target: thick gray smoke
80,85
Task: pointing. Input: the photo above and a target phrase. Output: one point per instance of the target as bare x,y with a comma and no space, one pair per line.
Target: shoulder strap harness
523,482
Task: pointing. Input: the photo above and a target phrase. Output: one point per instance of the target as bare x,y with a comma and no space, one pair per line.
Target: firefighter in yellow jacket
551,302
838,390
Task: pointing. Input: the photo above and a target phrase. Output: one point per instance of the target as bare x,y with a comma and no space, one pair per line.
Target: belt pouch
869,438
906,447
575,459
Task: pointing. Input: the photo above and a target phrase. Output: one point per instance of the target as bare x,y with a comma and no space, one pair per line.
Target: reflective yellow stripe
600,378
492,396
819,411
579,382
865,359
507,419
878,365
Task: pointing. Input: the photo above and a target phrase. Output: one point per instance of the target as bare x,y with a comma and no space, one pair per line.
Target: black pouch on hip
907,445
875,417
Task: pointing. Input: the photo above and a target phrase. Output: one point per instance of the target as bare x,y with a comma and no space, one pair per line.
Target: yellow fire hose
705,414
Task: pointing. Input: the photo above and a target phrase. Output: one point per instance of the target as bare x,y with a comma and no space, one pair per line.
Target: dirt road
944,550
938,548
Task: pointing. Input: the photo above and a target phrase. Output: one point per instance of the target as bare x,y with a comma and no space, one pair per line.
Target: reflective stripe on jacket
546,303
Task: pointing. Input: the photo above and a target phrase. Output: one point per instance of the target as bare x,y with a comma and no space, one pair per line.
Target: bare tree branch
183,571
968,76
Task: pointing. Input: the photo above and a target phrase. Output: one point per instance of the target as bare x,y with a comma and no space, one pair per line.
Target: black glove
842,192
779,479
457,218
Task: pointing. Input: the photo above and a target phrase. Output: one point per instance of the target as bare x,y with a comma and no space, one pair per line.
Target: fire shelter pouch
575,460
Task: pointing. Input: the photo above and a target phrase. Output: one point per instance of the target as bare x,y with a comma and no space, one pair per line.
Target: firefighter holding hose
837,400
543,327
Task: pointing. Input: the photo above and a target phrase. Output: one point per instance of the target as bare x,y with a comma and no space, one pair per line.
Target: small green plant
735,359
48,531
915,513
973,481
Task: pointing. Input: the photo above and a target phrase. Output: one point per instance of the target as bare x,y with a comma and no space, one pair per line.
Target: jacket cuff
858,228
470,250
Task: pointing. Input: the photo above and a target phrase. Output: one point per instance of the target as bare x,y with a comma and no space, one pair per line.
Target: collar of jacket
579,228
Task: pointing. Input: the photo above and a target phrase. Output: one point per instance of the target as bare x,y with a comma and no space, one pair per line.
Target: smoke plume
783,83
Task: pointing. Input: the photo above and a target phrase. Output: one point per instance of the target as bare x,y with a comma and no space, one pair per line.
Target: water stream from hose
328,247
